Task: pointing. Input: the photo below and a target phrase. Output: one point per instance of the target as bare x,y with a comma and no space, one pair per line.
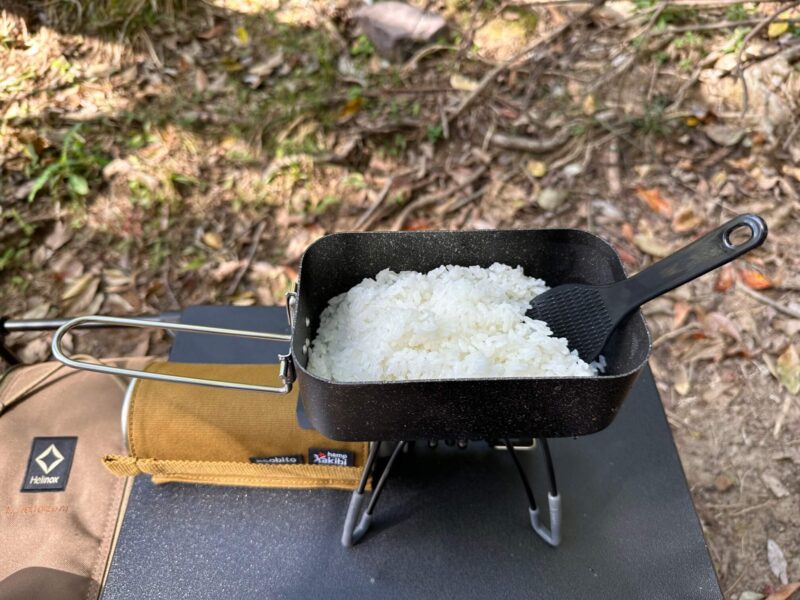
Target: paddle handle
713,250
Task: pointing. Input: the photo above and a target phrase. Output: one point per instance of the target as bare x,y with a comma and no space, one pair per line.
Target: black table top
451,523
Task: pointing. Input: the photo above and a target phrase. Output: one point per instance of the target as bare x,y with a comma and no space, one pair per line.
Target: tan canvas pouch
187,433
59,508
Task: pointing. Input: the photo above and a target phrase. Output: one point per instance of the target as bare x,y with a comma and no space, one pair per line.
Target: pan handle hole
739,235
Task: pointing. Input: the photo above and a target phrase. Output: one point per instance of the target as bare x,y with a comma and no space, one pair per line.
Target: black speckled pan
473,408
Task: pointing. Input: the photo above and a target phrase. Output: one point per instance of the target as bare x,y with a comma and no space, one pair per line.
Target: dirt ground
159,154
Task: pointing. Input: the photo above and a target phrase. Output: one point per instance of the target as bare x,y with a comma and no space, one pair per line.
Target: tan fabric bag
60,508
187,433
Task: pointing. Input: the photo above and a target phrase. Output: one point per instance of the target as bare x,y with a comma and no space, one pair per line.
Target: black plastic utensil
586,314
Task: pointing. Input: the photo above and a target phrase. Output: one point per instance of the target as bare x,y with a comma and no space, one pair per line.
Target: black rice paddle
587,314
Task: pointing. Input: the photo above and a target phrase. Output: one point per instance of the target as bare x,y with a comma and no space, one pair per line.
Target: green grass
737,12
120,19
68,174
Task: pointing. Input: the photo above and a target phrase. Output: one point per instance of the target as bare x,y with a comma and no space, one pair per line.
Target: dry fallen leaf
680,312
686,219
200,80
627,231
225,269
682,384
650,245
215,31
777,561
116,280
755,280
418,224
59,236
350,108
784,592
723,482
537,168
787,369
35,351
85,299
244,298
589,105
464,84
78,286
716,321
653,198
725,278
790,170
777,29
242,36
775,485
724,135
262,70
212,239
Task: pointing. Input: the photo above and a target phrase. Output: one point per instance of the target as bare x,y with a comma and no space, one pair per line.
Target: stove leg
551,535
352,533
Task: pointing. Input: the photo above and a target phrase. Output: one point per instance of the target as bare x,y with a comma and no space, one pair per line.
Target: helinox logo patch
49,464
338,458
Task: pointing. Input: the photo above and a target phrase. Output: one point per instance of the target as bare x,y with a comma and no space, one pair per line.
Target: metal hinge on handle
286,370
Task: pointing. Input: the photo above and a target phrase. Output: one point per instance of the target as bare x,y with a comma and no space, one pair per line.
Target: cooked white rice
451,323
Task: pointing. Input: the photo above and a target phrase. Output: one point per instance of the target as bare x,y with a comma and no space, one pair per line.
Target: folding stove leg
352,533
552,535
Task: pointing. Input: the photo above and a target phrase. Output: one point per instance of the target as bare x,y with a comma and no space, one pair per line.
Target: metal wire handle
285,372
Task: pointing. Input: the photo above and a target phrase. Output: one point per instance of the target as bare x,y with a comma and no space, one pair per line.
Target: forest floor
158,154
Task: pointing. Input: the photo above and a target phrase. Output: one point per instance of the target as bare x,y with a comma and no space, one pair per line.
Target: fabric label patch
283,459
49,464
337,458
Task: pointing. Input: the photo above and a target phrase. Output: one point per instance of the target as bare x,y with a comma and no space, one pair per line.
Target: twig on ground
454,206
750,509
522,56
366,220
390,126
764,23
165,280
788,141
251,254
789,312
516,142
434,198
787,404
411,64
738,579
675,333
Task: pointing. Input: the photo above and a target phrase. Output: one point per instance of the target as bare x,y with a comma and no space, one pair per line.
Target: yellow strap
236,473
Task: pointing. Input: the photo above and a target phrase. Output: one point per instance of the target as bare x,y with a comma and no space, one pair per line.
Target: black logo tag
49,464
337,458
283,459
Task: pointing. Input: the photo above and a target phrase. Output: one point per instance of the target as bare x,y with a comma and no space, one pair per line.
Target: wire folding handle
285,372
